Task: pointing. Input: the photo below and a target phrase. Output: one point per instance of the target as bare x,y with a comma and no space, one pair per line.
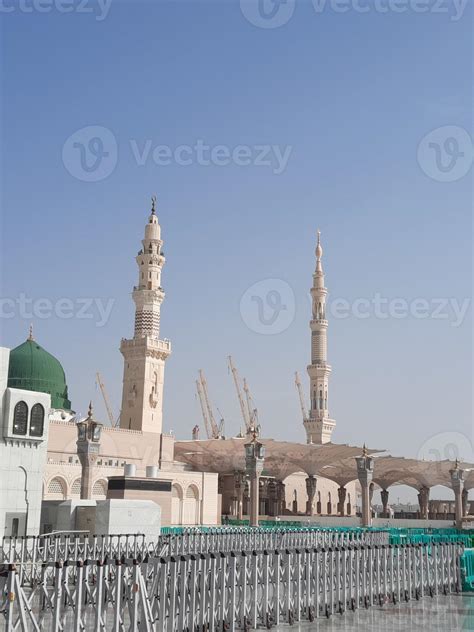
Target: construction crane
252,411
244,410
215,430
113,422
304,410
221,423
207,425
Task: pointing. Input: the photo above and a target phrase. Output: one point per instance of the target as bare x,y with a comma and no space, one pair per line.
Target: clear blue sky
352,95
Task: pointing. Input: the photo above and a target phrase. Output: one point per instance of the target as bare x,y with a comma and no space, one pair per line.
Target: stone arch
176,504
192,492
75,490
99,489
20,418
190,514
57,488
177,491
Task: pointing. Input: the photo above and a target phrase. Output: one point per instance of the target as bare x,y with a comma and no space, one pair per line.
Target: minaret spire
319,255
318,426
145,353
30,334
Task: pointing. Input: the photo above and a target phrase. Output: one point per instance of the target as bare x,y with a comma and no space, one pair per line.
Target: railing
28,552
72,547
226,590
242,539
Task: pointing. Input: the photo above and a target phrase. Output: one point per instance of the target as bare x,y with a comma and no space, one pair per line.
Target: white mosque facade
23,446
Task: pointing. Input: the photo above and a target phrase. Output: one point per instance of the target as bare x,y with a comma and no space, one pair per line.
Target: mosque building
189,492
24,406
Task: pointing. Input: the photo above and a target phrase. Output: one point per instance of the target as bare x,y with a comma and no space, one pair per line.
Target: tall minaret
145,354
318,426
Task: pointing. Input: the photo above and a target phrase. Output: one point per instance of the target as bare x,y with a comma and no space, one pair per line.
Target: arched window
37,421
76,487
192,492
176,492
20,418
99,489
57,489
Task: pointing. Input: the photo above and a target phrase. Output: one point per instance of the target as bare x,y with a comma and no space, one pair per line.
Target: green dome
34,369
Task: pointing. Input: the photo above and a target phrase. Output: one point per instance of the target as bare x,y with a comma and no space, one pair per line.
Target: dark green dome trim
32,368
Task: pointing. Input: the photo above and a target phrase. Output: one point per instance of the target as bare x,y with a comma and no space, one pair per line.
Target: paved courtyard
443,614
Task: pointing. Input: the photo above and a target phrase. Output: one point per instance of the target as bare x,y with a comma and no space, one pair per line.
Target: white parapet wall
406,523
76,515
116,517
322,521
353,521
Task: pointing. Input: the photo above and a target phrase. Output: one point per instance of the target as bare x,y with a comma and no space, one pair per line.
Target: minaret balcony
322,322
147,342
318,369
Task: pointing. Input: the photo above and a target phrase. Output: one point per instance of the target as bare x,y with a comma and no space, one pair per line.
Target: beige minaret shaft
318,426
145,354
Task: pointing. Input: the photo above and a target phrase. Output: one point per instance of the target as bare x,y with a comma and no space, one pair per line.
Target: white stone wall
116,517
194,498
22,460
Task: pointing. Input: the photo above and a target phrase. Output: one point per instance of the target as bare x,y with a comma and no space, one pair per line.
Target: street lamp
365,473
254,460
89,433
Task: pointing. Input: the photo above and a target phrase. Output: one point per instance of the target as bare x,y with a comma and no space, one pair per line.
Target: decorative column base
423,501
457,483
342,494
464,503
311,483
384,497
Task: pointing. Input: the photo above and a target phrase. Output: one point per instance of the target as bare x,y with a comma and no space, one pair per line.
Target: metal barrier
244,539
227,590
73,547
467,570
28,552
